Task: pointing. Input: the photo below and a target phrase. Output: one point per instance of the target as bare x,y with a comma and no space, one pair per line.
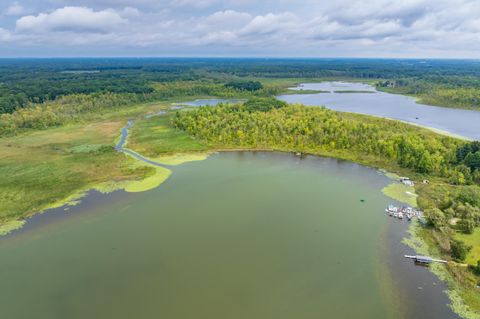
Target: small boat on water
391,208
400,215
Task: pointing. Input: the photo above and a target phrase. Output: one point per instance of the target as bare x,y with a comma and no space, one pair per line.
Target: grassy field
402,193
155,136
48,168
40,168
474,241
44,168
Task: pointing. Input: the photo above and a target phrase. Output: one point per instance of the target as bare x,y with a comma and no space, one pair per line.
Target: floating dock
425,259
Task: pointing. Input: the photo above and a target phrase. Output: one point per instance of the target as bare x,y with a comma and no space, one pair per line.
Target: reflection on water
212,102
334,87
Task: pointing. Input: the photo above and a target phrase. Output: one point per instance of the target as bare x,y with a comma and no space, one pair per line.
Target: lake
211,102
457,121
239,235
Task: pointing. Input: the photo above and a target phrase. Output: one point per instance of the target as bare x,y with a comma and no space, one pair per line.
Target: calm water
461,122
212,102
240,235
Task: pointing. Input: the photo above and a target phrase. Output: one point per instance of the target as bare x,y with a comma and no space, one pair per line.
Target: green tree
476,268
467,225
459,250
245,85
263,104
472,160
435,217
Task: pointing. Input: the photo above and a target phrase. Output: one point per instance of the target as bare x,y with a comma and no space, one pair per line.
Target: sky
240,28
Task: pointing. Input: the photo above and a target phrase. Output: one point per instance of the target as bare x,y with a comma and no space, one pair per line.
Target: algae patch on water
402,193
181,158
151,182
399,191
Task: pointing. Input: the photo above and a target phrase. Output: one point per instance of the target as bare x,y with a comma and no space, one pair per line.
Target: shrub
245,85
459,250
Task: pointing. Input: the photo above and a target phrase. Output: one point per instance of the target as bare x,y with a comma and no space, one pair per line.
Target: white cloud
130,12
310,27
74,19
228,16
271,23
405,11
15,9
5,35
222,21
194,3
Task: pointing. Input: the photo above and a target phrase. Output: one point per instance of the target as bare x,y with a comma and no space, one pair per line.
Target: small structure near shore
407,181
425,260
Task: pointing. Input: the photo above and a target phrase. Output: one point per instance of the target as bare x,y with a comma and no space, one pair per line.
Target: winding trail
120,147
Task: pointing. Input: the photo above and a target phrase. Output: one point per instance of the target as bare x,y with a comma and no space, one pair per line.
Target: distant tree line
444,91
27,81
71,107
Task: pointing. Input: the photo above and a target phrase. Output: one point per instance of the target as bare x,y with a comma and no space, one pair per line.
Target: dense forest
70,107
27,81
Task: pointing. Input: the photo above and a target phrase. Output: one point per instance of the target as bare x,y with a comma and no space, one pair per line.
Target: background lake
457,121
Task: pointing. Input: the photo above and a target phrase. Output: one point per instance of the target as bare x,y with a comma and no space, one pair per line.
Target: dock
403,211
425,259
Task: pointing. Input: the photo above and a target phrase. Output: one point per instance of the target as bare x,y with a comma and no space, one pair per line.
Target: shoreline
112,186
381,271
410,237
342,156
416,99
418,243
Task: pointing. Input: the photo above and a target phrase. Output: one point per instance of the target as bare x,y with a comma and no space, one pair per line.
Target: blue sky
282,28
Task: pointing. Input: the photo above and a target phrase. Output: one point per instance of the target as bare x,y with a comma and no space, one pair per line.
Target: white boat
392,208
400,215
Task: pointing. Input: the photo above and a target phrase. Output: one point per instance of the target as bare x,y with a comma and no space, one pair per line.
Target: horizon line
235,57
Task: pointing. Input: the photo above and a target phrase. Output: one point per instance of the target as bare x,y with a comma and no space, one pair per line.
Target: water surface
457,121
240,235
212,102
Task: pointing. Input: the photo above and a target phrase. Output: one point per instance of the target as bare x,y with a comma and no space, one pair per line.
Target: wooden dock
425,259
